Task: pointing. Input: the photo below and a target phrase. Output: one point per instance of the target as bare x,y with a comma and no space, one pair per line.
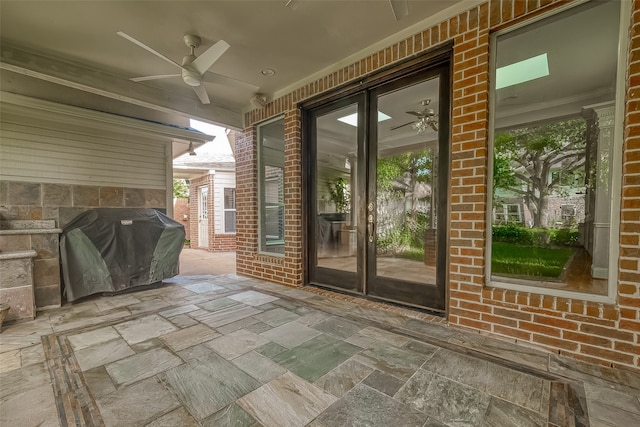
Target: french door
379,171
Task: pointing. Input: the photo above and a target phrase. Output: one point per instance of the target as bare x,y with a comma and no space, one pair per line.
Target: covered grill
110,250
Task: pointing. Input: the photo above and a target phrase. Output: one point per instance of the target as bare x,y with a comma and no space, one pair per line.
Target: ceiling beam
30,63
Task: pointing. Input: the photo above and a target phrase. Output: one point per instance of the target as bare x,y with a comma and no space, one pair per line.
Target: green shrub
565,237
513,234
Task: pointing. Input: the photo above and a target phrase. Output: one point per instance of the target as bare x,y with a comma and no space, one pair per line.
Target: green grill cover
111,250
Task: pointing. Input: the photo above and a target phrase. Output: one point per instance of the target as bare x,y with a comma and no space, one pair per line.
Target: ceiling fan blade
400,8
415,113
161,76
401,126
147,48
215,78
203,62
202,94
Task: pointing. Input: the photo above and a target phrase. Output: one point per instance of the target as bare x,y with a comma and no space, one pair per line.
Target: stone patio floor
226,350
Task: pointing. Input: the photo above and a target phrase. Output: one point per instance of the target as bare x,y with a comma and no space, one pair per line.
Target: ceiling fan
194,68
426,119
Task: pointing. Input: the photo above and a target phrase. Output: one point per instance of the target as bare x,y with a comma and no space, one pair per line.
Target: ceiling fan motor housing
189,74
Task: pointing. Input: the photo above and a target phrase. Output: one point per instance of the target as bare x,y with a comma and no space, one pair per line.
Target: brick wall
601,333
180,209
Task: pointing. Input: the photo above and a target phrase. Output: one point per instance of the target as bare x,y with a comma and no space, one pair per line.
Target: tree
180,188
524,159
406,177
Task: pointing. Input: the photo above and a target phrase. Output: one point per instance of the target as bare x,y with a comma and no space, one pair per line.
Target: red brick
555,343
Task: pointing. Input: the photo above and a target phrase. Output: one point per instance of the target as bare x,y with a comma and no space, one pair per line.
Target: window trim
225,210
616,162
261,188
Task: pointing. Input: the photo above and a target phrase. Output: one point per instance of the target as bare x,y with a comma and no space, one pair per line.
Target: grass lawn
528,261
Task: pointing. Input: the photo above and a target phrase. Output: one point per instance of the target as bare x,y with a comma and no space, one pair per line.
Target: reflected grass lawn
529,261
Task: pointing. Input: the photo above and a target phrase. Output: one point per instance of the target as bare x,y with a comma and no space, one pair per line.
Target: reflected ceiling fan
194,68
426,119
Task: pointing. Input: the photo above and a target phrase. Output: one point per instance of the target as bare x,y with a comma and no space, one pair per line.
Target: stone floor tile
217,304
96,336
271,349
196,352
236,343
33,407
607,396
612,415
178,417
339,328
311,318
230,416
384,336
206,385
253,298
116,301
227,315
179,310
147,345
259,367
290,334
203,287
459,367
240,324
10,360
276,317
152,305
384,383
414,391
420,347
31,355
398,362
287,401
140,366
143,328
343,378
450,402
504,414
99,382
316,357
19,380
364,406
259,327
513,386
187,337
123,407
183,321
91,320
101,354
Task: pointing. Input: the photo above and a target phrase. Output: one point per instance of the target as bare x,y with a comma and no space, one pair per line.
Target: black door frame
413,68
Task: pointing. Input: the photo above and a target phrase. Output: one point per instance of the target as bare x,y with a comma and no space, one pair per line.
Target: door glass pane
406,190
337,207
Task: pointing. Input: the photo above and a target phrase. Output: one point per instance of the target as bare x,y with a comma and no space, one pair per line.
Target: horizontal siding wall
221,181
43,152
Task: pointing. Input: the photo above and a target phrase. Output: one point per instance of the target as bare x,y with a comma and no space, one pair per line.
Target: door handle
370,227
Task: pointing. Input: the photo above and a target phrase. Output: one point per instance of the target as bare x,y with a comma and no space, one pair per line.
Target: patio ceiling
68,51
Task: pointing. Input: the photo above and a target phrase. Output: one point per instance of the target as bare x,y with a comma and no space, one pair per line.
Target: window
229,210
553,102
271,186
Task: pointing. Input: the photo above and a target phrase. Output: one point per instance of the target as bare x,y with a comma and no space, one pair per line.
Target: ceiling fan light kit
426,119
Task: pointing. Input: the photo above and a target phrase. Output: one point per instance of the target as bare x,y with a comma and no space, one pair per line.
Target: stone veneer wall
61,203
601,333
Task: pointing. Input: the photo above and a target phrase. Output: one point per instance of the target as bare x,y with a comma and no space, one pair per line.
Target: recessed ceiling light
352,119
267,71
522,71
